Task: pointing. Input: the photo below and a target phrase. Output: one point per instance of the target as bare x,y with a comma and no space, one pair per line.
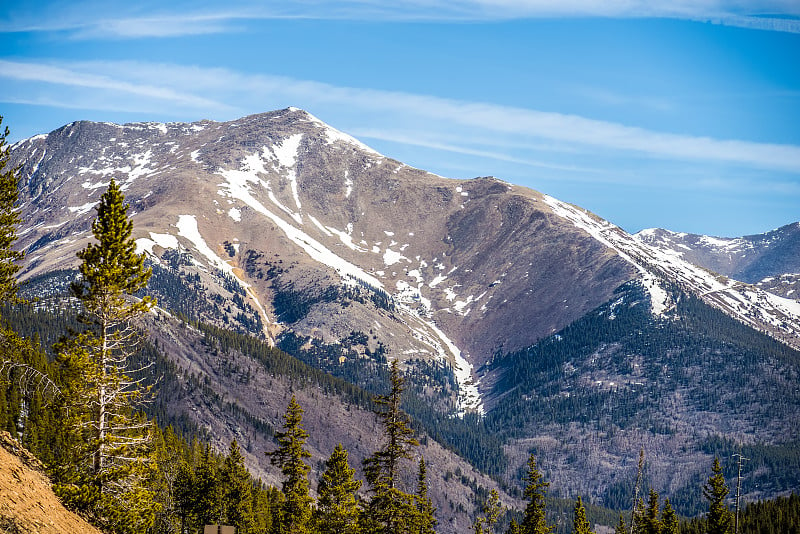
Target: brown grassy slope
27,501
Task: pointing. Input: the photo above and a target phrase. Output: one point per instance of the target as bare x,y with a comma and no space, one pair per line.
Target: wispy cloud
415,139
92,20
92,76
194,92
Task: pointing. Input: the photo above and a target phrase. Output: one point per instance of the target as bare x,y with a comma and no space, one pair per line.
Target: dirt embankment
27,502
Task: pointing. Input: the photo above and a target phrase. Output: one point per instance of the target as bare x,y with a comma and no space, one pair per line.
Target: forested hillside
691,384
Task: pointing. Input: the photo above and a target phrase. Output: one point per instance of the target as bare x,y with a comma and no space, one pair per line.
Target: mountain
523,323
291,214
770,260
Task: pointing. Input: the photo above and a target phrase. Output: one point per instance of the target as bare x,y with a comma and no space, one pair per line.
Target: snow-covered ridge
749,304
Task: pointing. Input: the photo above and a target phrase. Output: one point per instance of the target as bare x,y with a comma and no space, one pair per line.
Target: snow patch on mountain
348,184
138,169
469,396
164,241
615,238
286,153
80,210
427,332
237,186
187,228
390,257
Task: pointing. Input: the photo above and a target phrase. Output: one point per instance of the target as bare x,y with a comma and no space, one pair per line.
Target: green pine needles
108,454
290,458
9,219
534,521
719,519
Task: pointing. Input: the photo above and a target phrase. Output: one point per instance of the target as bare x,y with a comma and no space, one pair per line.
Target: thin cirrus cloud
88,20
197,92
46,77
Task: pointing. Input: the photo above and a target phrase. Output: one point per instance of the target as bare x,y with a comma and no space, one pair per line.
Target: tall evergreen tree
650,522
184,495
21,363
513,527
337,506
206,494
579,523
265,501
110,440
534,521
621,527
638,518
237,491
718,519
669,519
492,509
390,508
168,454
425,520
9,220
295,513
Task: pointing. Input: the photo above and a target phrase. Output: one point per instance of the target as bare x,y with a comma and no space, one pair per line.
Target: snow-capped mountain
283,227
770,260
281,203
751,305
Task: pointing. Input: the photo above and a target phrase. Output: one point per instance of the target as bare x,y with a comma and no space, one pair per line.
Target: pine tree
184,495
621,527
21,363
265,501
579,523
669,519
337,506
100,397
425,520
9,220
534,521
295,514
639,518
206,494
390,507
650,523
491,513
513,527
718,519
237,491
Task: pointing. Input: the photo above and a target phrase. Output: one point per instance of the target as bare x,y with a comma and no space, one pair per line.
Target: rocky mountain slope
231,393
280,226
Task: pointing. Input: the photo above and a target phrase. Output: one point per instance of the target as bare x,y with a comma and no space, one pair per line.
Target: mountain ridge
278,226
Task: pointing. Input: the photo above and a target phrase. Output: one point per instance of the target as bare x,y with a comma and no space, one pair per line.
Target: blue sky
683,116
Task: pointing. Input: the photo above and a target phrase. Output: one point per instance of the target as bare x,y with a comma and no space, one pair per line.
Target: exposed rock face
27,502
